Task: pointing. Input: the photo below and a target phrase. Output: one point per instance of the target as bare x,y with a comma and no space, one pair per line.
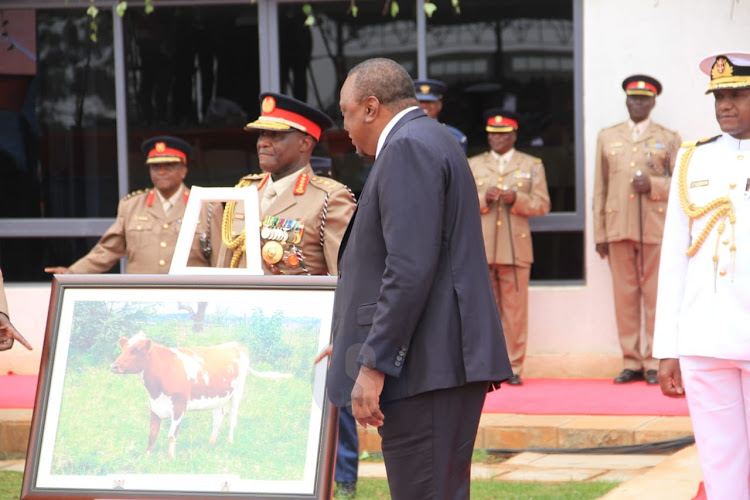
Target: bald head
386,80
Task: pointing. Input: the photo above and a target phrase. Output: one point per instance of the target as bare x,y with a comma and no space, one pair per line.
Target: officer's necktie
268,195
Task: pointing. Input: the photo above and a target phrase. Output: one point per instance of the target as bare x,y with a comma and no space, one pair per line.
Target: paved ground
643,476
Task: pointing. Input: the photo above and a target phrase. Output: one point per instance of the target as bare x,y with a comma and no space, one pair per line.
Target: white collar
389,126
736,144
505,156
172,199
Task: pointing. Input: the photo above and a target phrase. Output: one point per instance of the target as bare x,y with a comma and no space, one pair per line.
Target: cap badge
269,104
722,68
498,119
424,89
641,85
160,147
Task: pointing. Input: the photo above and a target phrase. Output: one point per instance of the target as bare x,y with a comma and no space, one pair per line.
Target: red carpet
17,391
537,396
555,396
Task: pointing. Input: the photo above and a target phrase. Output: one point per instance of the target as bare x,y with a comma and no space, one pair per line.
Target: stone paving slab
676,478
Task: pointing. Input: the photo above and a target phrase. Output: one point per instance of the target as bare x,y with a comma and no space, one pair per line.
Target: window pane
58,154
193,72
558,256
24,259
57,147
314,63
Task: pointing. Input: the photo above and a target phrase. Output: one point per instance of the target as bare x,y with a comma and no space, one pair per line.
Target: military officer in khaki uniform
634,162
512,187
303,216
8,332
148,222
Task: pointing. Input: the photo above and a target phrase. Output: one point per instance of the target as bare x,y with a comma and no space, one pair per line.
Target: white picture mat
198,195
294,303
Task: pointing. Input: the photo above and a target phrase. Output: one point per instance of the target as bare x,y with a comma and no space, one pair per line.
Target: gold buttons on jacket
499,223
162,262
635,149
138,227
163,244
165,226
523,235
631,196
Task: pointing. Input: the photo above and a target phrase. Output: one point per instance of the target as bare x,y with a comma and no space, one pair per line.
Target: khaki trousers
513,307
633,294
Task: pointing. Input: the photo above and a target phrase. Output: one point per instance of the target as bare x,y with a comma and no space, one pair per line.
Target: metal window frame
270,81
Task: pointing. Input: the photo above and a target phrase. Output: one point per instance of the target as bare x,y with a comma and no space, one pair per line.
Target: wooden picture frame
95,399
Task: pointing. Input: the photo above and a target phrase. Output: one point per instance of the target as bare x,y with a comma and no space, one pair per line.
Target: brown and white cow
180,379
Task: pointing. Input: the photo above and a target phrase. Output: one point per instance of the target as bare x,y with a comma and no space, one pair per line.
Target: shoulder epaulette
134,193
253,177
701,142
325,183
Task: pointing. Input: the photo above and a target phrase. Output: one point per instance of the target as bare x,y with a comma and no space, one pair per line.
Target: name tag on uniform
697,184
140,217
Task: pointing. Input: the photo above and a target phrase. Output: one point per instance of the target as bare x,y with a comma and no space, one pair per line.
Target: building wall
572,328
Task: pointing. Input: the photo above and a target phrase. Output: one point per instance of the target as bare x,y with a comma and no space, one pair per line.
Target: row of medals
277,233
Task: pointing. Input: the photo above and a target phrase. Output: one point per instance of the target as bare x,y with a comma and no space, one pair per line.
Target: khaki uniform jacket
324,207
526,174
147,237
618,158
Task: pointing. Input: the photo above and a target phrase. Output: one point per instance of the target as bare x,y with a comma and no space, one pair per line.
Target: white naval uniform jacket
699,312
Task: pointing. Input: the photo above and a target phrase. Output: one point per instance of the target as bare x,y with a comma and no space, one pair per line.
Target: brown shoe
628,375
652,377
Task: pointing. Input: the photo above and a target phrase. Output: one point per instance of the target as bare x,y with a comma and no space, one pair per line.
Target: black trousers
428,440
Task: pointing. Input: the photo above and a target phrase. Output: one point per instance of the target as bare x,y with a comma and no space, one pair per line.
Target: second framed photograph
183,387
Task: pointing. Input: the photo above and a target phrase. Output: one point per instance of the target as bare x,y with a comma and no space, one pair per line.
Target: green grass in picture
270,440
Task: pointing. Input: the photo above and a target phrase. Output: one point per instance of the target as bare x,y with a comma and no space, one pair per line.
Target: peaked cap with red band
641,85
166,149
730,70
279,112
498,120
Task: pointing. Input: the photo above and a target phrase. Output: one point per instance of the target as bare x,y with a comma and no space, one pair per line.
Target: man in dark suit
417,336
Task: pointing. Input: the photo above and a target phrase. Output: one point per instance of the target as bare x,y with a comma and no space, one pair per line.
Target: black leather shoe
515,380
345,490
652,377
628,375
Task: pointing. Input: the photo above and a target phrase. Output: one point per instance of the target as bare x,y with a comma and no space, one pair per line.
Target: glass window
192,72
491,55
58,151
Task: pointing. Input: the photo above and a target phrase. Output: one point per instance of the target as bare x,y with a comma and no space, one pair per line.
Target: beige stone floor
645,476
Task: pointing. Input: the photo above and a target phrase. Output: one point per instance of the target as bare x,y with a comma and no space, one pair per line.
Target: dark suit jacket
414,298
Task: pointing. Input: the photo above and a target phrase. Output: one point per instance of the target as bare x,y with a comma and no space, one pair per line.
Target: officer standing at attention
148,221
634,162
430,96
703,310
303,217
512,187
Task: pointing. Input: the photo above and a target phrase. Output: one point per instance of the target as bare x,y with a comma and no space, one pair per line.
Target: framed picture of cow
162,387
